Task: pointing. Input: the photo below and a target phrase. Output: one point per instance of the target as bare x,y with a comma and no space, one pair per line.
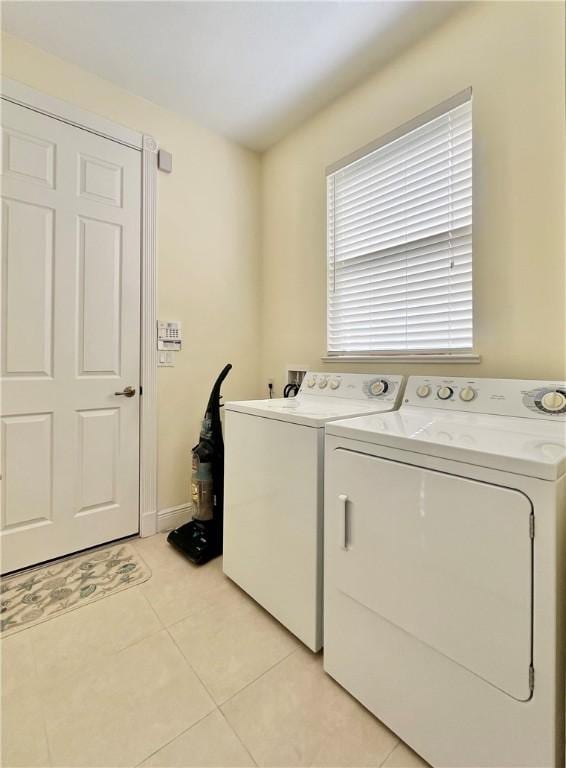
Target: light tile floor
183,670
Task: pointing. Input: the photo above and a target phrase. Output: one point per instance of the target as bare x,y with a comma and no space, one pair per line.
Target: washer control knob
445,393
322,383
553,401
311,382
423,390
467,394
334,383
378,387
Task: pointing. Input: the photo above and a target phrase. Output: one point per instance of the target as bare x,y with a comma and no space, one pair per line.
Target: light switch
166,359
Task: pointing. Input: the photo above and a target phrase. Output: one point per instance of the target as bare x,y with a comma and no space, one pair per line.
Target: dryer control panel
354,386
502,397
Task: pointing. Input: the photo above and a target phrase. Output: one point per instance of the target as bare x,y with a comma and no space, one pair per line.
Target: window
399,217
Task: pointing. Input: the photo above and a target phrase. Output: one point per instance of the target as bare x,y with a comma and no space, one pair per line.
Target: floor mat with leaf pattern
39,594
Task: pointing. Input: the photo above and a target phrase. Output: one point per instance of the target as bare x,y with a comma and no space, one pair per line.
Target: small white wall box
295,374
169,335
165,161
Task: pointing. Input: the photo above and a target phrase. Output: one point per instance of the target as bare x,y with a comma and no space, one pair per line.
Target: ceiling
251,71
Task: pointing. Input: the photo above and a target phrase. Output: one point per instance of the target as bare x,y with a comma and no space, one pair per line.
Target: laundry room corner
207,252
283,384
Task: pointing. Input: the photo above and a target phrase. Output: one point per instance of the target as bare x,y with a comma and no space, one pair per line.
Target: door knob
127,392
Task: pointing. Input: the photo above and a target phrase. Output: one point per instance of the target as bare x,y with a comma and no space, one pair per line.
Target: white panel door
70,338
446,559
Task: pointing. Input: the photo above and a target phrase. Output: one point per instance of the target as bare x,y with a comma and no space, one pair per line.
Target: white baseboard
148,523
173,517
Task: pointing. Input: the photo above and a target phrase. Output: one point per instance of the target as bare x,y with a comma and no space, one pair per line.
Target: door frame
147,146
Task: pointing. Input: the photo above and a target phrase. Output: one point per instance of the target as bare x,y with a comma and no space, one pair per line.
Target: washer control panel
548,399
505,397
378,387
356,386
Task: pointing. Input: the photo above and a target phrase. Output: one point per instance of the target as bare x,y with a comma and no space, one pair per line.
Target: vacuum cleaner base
196,540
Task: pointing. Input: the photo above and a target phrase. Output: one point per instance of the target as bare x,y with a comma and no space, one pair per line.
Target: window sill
469,358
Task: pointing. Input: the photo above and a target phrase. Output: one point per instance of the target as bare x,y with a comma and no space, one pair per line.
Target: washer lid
309,410
535,448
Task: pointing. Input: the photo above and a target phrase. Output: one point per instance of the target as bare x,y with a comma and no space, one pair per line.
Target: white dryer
273,491
445,561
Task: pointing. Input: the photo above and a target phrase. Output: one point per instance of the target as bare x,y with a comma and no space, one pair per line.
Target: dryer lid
530,447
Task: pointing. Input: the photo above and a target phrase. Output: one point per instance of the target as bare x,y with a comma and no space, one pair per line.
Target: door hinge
532,526
531,678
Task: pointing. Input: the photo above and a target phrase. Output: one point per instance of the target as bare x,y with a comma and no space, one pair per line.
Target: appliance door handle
343,541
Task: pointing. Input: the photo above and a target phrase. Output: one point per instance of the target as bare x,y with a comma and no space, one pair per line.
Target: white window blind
400,242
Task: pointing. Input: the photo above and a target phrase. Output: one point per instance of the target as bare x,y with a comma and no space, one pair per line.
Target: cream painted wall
210,274
512,54
208,251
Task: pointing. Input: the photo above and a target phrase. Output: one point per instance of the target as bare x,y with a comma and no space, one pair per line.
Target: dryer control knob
467,394
311,382
553,401
423,390
378,387
335,383
445,393
322,383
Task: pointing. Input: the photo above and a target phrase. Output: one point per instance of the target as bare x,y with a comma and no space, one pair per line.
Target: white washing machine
445,564
273,491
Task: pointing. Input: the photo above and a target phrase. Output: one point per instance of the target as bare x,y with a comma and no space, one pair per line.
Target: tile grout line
40,697
103,657
161,628
227,584
190,615
68,675
237,735
174,737
148,601
193,670
216,708
255,680
168,628
188,663
243,688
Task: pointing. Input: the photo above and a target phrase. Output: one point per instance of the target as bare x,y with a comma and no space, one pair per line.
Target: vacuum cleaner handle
222,375
214,400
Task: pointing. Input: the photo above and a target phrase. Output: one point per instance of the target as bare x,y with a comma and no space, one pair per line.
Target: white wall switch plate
166,359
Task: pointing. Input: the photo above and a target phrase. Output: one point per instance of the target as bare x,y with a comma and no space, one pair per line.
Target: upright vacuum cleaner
201,538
